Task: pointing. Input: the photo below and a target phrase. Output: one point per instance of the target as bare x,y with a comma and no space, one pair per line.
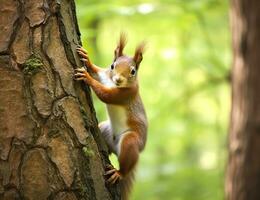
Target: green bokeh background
184,83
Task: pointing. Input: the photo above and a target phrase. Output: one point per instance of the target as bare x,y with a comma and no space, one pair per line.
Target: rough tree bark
50,147
243,172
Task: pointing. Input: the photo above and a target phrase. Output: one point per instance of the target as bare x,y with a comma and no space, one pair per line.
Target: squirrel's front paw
80,74
84,55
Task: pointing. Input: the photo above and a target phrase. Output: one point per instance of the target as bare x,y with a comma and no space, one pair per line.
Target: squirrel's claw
80,74
84,60
114,177
79,78
113,173
81,50
84,56
81,70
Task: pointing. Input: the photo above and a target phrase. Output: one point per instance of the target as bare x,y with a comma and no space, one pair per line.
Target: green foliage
32,65
184,86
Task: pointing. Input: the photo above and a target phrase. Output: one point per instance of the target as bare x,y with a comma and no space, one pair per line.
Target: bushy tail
126,185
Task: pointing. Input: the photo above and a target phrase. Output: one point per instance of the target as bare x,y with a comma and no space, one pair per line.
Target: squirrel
126,128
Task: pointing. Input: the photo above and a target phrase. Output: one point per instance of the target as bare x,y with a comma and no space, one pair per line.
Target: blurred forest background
184,80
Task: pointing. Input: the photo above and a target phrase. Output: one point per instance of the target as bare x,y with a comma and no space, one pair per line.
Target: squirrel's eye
133,71
112,66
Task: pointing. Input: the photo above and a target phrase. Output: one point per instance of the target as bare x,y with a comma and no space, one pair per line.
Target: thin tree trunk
243,172
50,146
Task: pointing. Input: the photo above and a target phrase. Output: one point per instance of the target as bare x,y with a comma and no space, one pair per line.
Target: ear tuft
120,45
139,50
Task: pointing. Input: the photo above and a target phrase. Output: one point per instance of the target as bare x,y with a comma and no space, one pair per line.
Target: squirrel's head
124,69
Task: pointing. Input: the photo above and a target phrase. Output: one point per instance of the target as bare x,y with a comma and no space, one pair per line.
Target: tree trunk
243,172
50,145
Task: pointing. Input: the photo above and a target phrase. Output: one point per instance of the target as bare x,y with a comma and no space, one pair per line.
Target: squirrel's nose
118,79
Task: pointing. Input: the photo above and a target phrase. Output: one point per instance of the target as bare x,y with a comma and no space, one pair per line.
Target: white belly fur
117,114
118,119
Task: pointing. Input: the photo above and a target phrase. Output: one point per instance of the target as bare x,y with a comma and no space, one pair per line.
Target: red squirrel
126,128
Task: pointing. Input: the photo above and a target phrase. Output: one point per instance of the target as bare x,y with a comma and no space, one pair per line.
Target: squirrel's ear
138,57
120,46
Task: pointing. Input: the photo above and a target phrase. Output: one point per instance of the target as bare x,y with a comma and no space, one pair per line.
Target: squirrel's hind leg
128,152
